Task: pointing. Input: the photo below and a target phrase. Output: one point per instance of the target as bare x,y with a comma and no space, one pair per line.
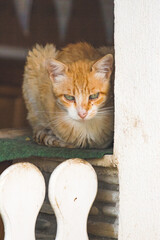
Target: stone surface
111,210
102,229
107,196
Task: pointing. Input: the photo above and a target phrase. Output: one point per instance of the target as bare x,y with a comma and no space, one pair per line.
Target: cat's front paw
46,137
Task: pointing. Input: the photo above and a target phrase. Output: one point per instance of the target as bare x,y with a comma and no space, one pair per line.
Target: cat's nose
82,114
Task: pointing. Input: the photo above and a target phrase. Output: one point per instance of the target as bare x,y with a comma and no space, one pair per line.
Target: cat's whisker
100,114
57,120
49,112
110,109
43,112
105,112
106,108
50,122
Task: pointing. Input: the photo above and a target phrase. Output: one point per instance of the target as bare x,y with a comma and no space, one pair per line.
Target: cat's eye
69,97
94,96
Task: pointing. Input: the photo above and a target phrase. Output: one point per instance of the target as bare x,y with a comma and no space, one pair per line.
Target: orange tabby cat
69,95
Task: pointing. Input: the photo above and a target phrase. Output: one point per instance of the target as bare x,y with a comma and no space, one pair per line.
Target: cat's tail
39,55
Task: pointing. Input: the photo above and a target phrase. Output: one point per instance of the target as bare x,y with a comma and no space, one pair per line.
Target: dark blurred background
26,22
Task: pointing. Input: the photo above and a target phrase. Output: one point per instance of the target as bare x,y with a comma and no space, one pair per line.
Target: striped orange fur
69,95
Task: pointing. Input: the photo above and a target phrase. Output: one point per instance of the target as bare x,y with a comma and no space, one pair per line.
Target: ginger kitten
69,95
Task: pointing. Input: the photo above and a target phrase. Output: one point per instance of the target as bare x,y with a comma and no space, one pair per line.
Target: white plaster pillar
137,117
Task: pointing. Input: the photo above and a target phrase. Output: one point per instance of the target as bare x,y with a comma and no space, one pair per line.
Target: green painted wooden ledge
24,147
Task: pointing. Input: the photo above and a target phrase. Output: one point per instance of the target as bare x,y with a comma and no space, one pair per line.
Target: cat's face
81,88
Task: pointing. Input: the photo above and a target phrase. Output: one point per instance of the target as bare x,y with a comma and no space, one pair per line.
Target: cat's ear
104,66
56,70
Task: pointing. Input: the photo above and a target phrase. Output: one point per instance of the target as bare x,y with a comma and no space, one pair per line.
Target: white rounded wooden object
22,192
72,190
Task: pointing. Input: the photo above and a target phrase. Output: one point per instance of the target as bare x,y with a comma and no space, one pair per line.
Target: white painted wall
137,117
